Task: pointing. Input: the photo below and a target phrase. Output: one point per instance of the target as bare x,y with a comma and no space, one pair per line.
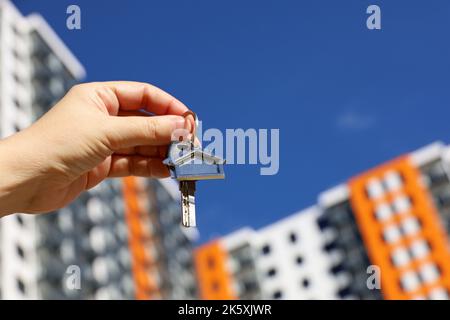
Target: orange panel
139,241
421,208
215,282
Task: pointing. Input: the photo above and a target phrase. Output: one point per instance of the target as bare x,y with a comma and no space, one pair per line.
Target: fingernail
179,123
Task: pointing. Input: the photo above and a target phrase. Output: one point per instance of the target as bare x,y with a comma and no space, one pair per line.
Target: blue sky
344,98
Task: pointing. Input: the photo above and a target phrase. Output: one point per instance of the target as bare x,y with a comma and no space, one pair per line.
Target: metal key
187,189
188,164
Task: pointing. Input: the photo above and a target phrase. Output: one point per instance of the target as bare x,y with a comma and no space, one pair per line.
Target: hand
96,131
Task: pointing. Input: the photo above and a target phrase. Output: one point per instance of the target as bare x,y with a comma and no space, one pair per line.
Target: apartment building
392,220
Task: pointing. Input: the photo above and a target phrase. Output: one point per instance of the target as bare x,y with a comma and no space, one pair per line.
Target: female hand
96,131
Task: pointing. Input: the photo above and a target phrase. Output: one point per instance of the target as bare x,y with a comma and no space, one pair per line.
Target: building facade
381,235
122,239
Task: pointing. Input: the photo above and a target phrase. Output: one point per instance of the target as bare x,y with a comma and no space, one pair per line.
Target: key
187,189
187,164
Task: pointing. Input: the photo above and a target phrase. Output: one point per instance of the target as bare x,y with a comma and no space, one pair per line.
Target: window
437,174
16,78
401,204
20,285
215,286
211,262
20,251
16,54
16,30
265,249
272,272
54,63
393,181
420,249
410,226
277,294
305,283
17,103
444,198
293,237
410,281
330,246
337,268
344,292
400,256
250,285
192,291
374,189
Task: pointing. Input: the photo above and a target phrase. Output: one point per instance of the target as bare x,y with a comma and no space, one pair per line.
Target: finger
127,113
189,124
98,174
122,166
137,95
126,132
145,151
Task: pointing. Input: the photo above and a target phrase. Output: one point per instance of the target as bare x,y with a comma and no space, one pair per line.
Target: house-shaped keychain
188,163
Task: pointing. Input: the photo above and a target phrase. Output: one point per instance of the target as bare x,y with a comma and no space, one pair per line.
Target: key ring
194,129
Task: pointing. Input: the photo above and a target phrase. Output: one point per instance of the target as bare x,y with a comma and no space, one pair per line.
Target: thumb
125,132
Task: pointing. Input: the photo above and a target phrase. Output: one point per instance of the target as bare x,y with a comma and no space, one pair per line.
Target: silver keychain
189,163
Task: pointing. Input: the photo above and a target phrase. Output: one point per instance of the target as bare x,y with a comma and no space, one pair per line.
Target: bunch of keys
189,163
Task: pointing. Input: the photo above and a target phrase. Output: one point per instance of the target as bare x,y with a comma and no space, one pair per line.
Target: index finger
139,95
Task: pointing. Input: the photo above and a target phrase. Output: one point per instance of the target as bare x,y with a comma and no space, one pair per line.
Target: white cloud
355,121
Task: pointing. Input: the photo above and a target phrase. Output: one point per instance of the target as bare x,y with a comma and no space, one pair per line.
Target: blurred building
395,217
123,238
282,261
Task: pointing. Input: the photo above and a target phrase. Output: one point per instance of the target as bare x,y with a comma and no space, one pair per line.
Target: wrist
9,179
